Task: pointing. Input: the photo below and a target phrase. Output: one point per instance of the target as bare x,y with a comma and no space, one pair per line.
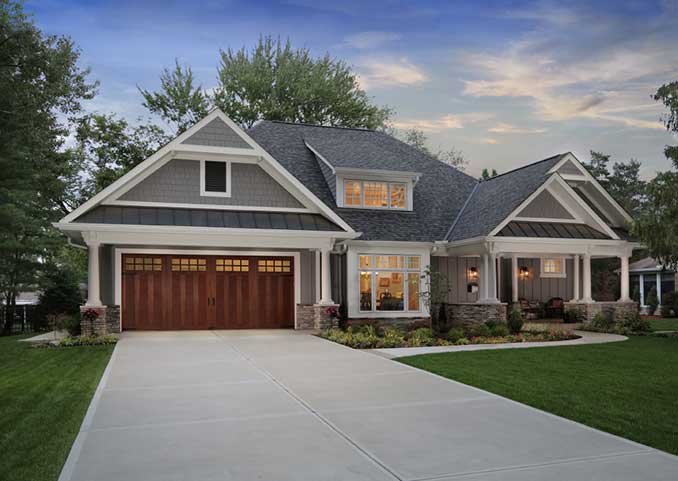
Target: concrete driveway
281,405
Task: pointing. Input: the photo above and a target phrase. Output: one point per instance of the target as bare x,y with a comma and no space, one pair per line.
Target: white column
498,270
587,279
624,280
484,277
659,288
93,283
326,282
575,275
317,276
514,278
642,289
492,279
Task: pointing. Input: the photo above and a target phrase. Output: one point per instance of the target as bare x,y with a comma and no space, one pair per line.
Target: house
223,228
648,273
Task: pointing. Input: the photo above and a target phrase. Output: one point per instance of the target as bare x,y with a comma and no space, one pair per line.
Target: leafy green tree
108,147
180,102
658,224
598,167
273,81
417,139
485,174
626,187
42,88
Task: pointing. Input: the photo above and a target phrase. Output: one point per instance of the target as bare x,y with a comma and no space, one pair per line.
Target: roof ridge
523,167
305,124
461,211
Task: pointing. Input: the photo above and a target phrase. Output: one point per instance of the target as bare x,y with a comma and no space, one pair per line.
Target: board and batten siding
535,288
178,182
307,271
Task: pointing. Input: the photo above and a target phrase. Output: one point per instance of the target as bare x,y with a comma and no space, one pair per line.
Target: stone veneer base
314,316
108,321
465,314
616,310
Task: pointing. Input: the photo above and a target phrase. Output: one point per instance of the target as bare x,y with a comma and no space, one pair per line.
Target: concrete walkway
280,405
52,336
586,338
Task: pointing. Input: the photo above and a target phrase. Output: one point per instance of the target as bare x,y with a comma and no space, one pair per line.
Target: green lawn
665,324
628,388
44,394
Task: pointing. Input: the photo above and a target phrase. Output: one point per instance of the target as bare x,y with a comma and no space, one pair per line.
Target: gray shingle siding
569,168
330,178
217,134
178,181
545,206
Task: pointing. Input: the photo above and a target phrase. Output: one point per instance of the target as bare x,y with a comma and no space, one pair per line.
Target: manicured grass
665,324
627,388
44,394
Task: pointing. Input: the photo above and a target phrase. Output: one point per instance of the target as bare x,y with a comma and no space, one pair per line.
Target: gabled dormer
359,174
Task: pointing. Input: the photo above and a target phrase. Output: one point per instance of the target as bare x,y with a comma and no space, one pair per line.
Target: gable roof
438,196
496,198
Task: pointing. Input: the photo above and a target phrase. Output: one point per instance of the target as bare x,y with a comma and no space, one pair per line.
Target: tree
597,167
273,81
626,187
485,174
417,139
179,102
108,147
657,226
42,88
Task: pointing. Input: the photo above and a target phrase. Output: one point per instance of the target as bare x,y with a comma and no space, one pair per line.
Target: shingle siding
545,206
178,181
217,134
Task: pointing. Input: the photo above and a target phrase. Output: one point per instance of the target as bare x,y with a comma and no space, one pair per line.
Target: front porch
529,273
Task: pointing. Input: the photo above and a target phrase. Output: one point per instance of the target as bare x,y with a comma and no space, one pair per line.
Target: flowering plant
90,315
332,312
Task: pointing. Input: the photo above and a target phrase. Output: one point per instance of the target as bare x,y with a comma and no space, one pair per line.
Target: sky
508,83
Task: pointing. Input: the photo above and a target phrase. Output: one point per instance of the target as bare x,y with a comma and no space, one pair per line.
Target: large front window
375,195
389,283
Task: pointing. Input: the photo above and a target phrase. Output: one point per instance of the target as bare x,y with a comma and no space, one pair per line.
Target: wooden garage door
207,292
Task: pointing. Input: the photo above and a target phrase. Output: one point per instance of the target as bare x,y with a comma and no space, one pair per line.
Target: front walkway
586,338
281,405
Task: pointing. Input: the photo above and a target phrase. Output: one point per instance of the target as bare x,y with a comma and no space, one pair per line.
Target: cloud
547,12
503,128
446,122
489,141
371,39
383,73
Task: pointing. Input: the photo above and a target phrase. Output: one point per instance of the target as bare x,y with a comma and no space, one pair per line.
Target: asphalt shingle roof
496,198
438,196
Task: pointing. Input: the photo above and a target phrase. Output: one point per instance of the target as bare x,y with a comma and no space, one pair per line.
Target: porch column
326,282
575,274
624,281
659,288
514,278
587,279
642,289
498,271
484,281
93,296
492,279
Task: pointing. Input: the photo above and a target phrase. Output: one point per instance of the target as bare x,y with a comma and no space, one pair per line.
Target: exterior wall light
472,274
524,273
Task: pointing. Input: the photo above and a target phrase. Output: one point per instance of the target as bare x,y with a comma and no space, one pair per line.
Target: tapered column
492,279
93,282
326,282
514,278
575,280
659,288
624,280
642,290
587,279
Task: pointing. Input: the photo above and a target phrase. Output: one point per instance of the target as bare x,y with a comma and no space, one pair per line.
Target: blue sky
506,82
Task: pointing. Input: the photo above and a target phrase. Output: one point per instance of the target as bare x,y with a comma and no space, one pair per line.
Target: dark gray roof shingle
438,196
496,198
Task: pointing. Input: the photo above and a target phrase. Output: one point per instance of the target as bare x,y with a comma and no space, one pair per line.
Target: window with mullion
375,195
389,283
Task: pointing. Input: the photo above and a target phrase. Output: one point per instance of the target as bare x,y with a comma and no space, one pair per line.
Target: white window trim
341,199
373,270
550,275
205,193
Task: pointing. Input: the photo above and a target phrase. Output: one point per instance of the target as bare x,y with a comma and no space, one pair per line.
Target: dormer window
375,195
215,178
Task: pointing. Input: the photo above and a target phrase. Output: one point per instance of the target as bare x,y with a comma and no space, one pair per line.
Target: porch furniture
554,307
532,309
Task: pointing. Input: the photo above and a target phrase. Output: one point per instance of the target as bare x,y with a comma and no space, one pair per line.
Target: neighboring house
648,273
223,228
26,298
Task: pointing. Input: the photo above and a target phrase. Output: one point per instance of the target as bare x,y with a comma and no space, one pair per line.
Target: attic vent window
215,178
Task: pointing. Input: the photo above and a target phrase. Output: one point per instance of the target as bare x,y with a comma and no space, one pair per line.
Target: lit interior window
376,194
398,196
352,193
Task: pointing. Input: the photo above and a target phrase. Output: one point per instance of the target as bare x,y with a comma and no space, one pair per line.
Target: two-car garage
173,292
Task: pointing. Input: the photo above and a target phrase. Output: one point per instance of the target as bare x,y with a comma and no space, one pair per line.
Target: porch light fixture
472,274
524,273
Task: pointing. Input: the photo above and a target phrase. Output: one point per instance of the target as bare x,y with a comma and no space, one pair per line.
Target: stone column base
475,313
107,321
315,316
617,311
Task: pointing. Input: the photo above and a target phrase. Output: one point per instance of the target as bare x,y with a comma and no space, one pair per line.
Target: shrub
393,337
491,324
500,330
455,334
652,300
633,323
61,294
670,304
421,337
343,316
516,319
571,316
72,325
602,322
462,342
71,341
481,330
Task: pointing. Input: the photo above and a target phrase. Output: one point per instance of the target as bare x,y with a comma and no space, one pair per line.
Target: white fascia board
538,246
378,174
394,244
587,176
322,159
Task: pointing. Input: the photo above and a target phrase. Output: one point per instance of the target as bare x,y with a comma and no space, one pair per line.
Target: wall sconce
472,274
524,273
